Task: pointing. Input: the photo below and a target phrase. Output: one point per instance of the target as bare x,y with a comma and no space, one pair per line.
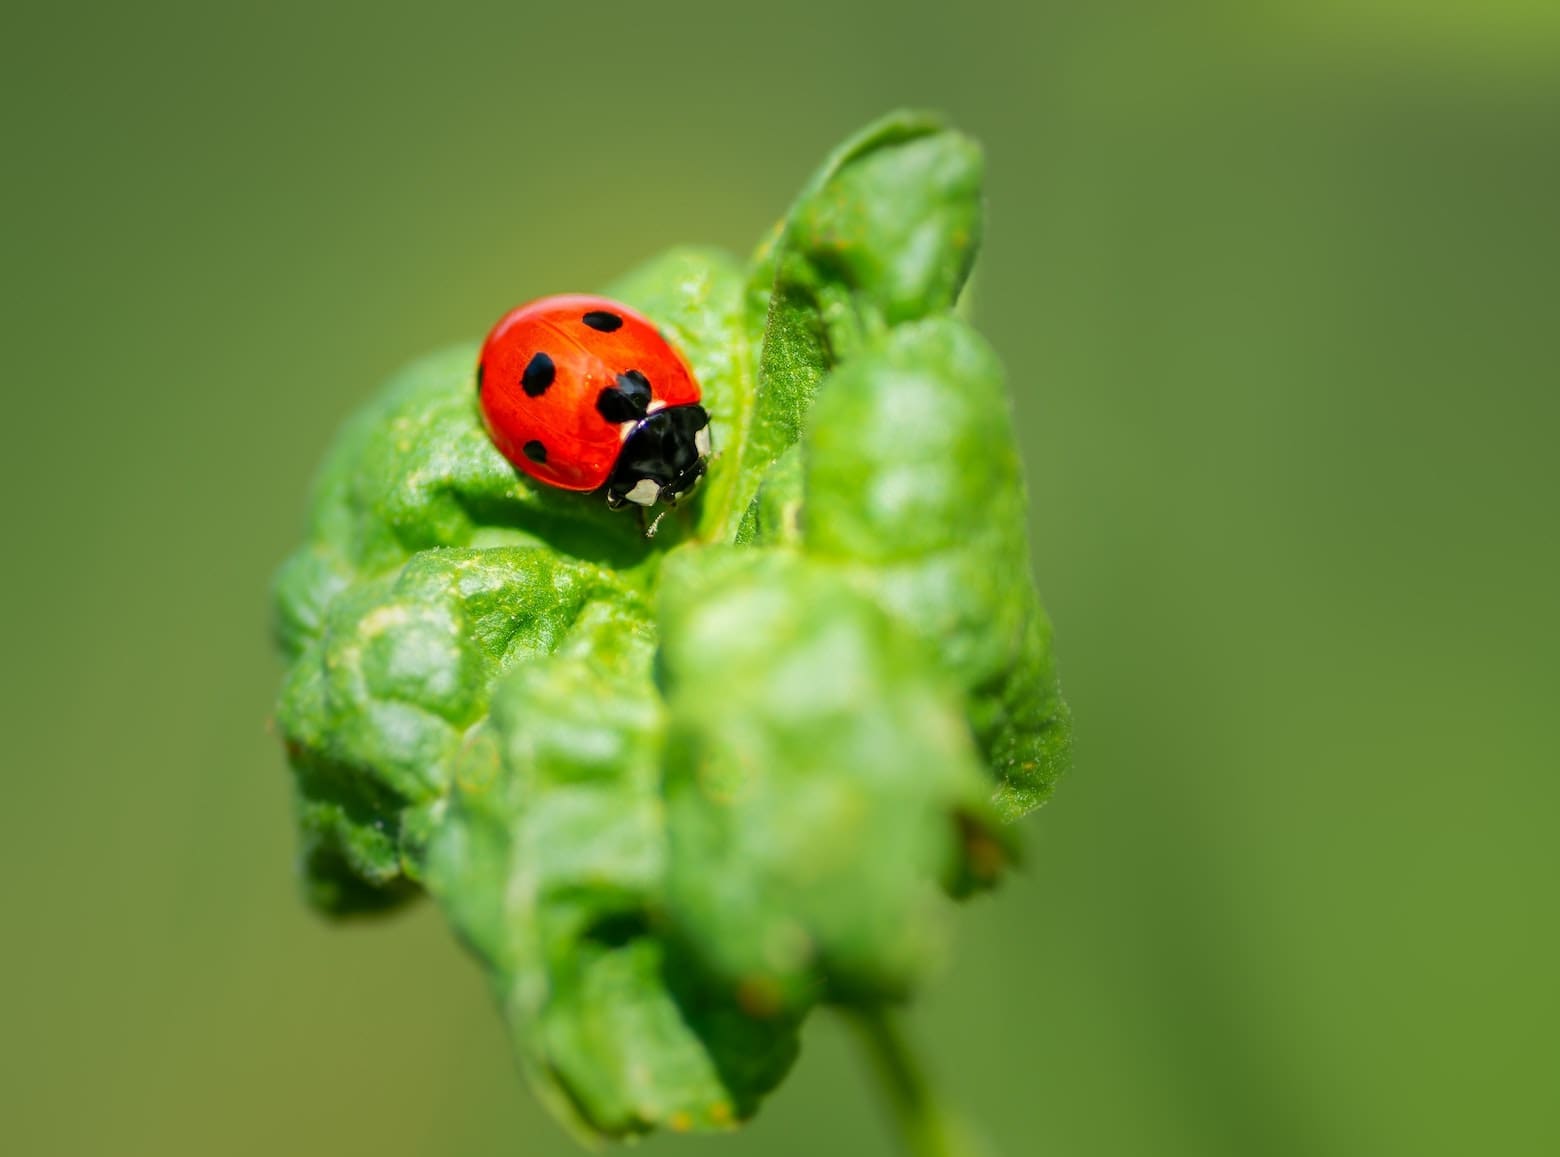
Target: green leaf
551,863
913,483
377,703
673,793
884,233
814,772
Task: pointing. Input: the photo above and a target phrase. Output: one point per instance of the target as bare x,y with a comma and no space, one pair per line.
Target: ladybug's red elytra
582,392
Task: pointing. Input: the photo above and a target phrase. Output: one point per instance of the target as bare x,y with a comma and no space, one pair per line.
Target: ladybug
581,392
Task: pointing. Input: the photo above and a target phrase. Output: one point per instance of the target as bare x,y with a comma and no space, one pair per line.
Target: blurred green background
1278,296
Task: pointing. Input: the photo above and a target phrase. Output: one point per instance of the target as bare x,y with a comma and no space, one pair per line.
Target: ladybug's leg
644,512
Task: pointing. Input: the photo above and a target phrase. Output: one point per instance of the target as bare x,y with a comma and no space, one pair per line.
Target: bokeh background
1276,285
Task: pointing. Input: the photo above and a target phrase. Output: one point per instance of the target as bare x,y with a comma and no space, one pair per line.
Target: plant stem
928,1126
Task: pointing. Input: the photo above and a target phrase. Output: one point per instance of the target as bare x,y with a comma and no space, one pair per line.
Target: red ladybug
581,392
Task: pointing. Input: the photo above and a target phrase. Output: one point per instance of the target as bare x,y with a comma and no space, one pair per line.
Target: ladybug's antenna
651,529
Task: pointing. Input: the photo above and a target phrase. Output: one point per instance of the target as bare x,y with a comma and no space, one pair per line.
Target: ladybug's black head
662,459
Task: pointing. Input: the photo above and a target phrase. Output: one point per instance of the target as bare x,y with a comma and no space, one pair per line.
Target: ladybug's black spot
535,451
539,374
479,377
600,319
627,401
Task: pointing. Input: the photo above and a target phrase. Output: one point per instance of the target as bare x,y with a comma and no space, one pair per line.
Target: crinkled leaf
912,481
378,701
671,798
814,772
551,863
885,232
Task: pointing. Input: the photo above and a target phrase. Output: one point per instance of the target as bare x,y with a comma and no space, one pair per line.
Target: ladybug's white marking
644,492
701,441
